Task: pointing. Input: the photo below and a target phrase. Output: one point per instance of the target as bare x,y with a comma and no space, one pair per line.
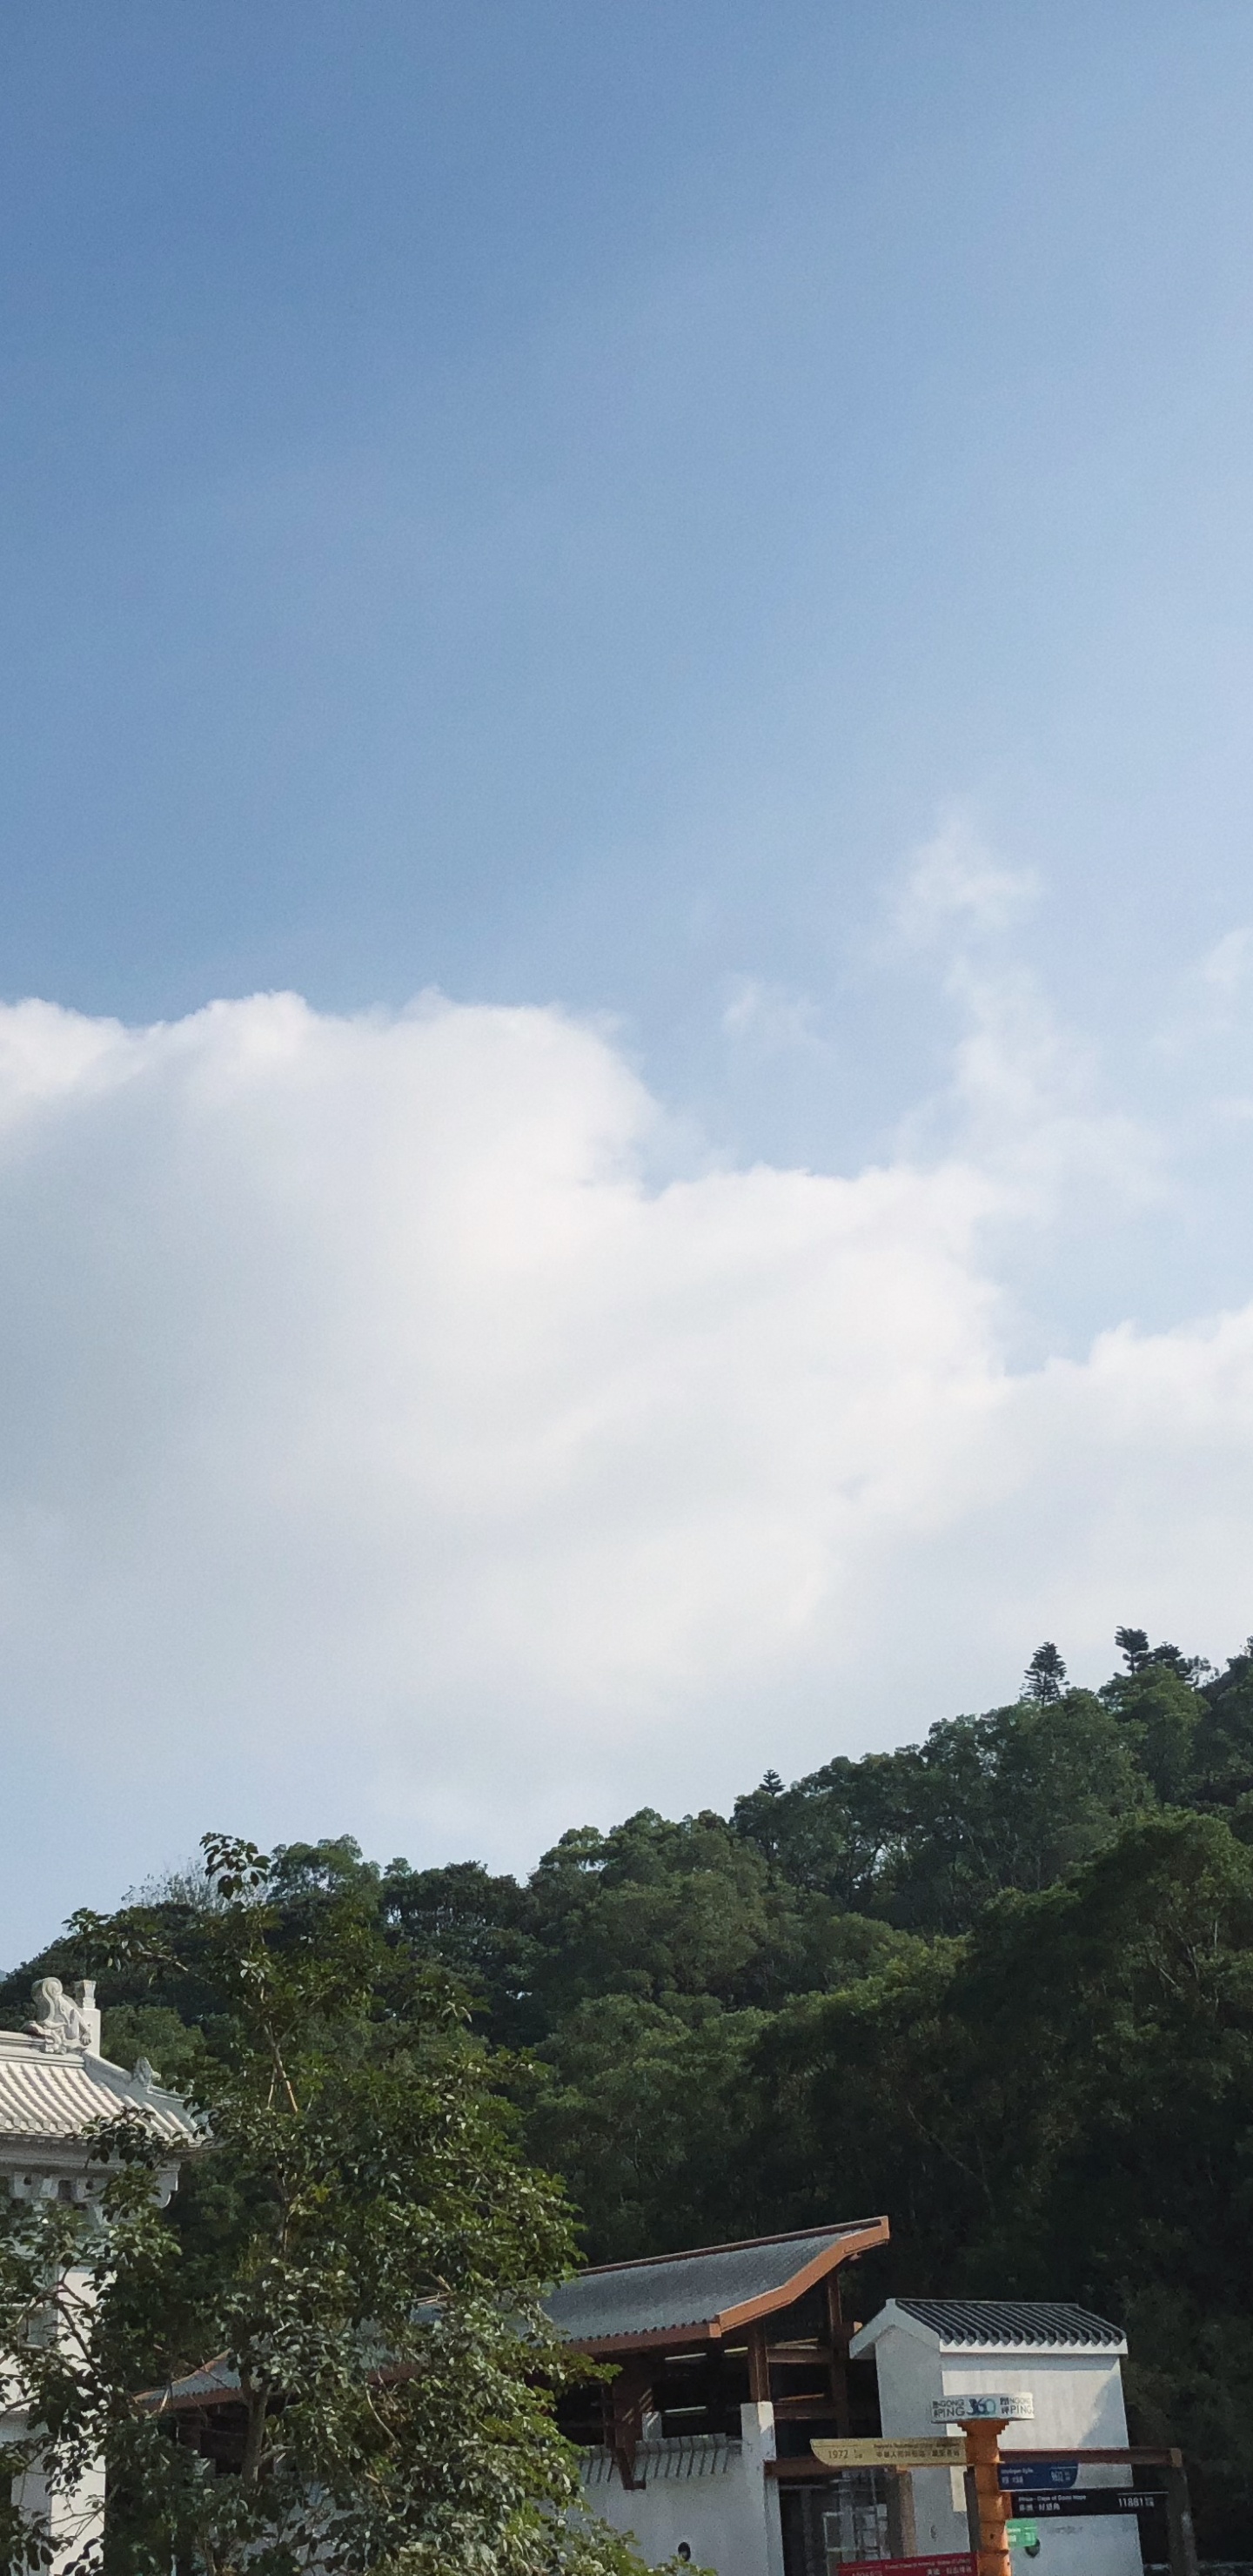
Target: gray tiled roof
1012,2325
673,2291
660,2296
215,2384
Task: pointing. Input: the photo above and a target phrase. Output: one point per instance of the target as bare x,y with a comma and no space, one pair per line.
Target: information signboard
1039,2473
1042,2506
904,2451
973,2410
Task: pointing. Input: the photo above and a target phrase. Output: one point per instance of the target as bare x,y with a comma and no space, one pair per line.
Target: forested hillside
998,1984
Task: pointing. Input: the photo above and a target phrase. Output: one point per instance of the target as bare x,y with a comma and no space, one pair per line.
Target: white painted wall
730,2520
74,2522
73,2518
1078,2406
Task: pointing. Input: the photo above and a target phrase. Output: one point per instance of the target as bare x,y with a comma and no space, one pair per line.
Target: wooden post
838,2333
629,2396
1182,2541
983,2455
972,2514
758,2365
902,2532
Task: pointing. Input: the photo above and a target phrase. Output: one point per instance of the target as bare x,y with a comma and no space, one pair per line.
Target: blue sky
725,528
553,500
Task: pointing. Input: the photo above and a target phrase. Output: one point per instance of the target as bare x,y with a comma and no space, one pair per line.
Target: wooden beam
1064,2451
655,2339
629,2395
838,2333
902,2530
758,2365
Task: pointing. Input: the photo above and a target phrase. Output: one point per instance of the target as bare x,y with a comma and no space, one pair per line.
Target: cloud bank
385,1447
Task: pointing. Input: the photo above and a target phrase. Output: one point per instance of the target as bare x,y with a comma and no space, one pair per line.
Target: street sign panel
972,2410
905,2451
1023,2535
1042,2506
1040,2473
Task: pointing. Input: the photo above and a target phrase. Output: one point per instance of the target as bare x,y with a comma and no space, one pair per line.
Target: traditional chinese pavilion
732,2358
55,2090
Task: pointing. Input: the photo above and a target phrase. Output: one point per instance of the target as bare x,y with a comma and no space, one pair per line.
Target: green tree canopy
362,2243
992,1981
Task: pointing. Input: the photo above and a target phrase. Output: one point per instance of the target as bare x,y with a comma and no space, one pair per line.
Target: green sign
1022,2535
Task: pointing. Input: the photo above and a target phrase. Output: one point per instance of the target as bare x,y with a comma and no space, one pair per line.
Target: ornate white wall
715,2496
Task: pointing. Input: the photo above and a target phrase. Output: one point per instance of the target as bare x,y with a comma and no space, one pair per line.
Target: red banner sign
961,2562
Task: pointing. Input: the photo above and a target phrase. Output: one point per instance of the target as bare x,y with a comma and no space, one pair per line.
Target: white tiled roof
56,2092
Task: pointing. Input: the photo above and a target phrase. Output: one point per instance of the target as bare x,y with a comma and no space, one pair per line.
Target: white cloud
1226,967
380,1451
1210,1002
771,1019
1025,1098
955,884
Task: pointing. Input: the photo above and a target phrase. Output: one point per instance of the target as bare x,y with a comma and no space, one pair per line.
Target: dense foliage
361,2245
998,1984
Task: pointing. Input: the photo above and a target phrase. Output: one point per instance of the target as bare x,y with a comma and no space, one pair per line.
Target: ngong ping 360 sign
974,2410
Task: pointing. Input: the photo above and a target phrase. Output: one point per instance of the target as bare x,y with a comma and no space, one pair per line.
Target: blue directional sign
1037,2474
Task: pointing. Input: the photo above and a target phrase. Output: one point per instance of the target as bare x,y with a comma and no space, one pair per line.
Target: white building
1065,2361
734,2359
730,2358
54,2088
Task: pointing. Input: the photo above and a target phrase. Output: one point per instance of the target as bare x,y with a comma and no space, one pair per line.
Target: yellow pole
983,2454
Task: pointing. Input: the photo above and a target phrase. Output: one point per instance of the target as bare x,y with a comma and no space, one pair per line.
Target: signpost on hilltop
1023,2490
1011,2497
983,2420
927,2353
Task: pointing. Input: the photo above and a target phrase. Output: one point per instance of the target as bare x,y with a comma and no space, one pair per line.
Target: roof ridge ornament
66,2021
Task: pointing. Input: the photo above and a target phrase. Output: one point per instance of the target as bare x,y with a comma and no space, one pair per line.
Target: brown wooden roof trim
655,2339
842,2249
729,2245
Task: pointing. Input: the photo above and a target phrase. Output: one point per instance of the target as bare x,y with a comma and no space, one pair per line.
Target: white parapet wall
701,2491
71,2516
73,2520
